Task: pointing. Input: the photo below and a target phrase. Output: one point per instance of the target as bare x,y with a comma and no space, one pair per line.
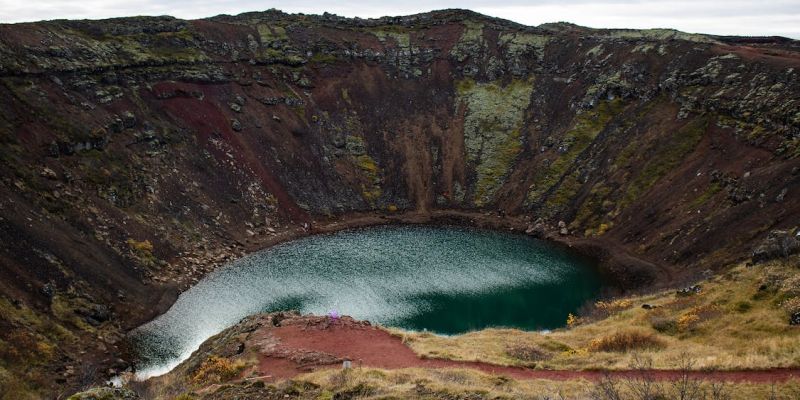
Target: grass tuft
626,341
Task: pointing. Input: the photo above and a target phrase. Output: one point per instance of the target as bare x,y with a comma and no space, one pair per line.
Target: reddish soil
305,344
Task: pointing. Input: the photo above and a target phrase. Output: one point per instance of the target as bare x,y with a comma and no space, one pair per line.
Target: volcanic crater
140,154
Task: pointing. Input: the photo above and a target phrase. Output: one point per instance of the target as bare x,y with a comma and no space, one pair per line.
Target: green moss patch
583,132
493,120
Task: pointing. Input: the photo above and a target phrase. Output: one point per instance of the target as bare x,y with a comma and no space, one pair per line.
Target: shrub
627,341
692,318
215,370
663,324
526,352
682,303
143,251
573,320
607,308
688,321
140,247
552,345
743,306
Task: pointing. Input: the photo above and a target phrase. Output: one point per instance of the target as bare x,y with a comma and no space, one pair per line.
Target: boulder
795,319
537,230
689,290
562,228
777,244
236,125
48,290
48,173
128,120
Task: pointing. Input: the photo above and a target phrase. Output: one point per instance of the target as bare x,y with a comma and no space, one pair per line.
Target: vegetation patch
526,352
583,132
471,42
627,341
142,251
403,39
216,369
606,308
493,120
370,188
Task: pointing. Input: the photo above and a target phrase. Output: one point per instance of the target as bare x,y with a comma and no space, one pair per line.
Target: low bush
690,320
606,308
663,324
216,370
527,352
627,341
573,320
743,306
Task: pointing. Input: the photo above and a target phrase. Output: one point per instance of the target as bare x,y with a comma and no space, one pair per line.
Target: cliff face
138,152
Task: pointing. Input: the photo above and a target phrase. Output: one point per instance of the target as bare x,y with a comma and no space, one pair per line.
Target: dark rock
649,306
537,230
562,228
339,141
53,149
271,101
95,314
100,312
781,195
128,120
48,173
795,319
778,243
236,125
116,125
689,290
48,290
294,102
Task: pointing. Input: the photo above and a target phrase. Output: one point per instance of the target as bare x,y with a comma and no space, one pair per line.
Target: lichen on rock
520,47
471,42
493,117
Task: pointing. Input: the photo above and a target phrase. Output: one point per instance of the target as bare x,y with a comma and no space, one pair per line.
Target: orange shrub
611,307
573,320
215,370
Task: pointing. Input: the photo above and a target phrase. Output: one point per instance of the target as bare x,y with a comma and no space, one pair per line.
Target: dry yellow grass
414,383
739,320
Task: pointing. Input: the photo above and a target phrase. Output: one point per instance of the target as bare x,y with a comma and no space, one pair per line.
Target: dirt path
305,344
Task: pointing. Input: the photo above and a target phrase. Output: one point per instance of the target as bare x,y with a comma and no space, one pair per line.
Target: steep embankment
138,153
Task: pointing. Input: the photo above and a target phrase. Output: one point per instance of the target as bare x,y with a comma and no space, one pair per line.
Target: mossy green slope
493,121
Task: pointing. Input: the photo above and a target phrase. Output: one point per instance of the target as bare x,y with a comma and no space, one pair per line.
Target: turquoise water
443,279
